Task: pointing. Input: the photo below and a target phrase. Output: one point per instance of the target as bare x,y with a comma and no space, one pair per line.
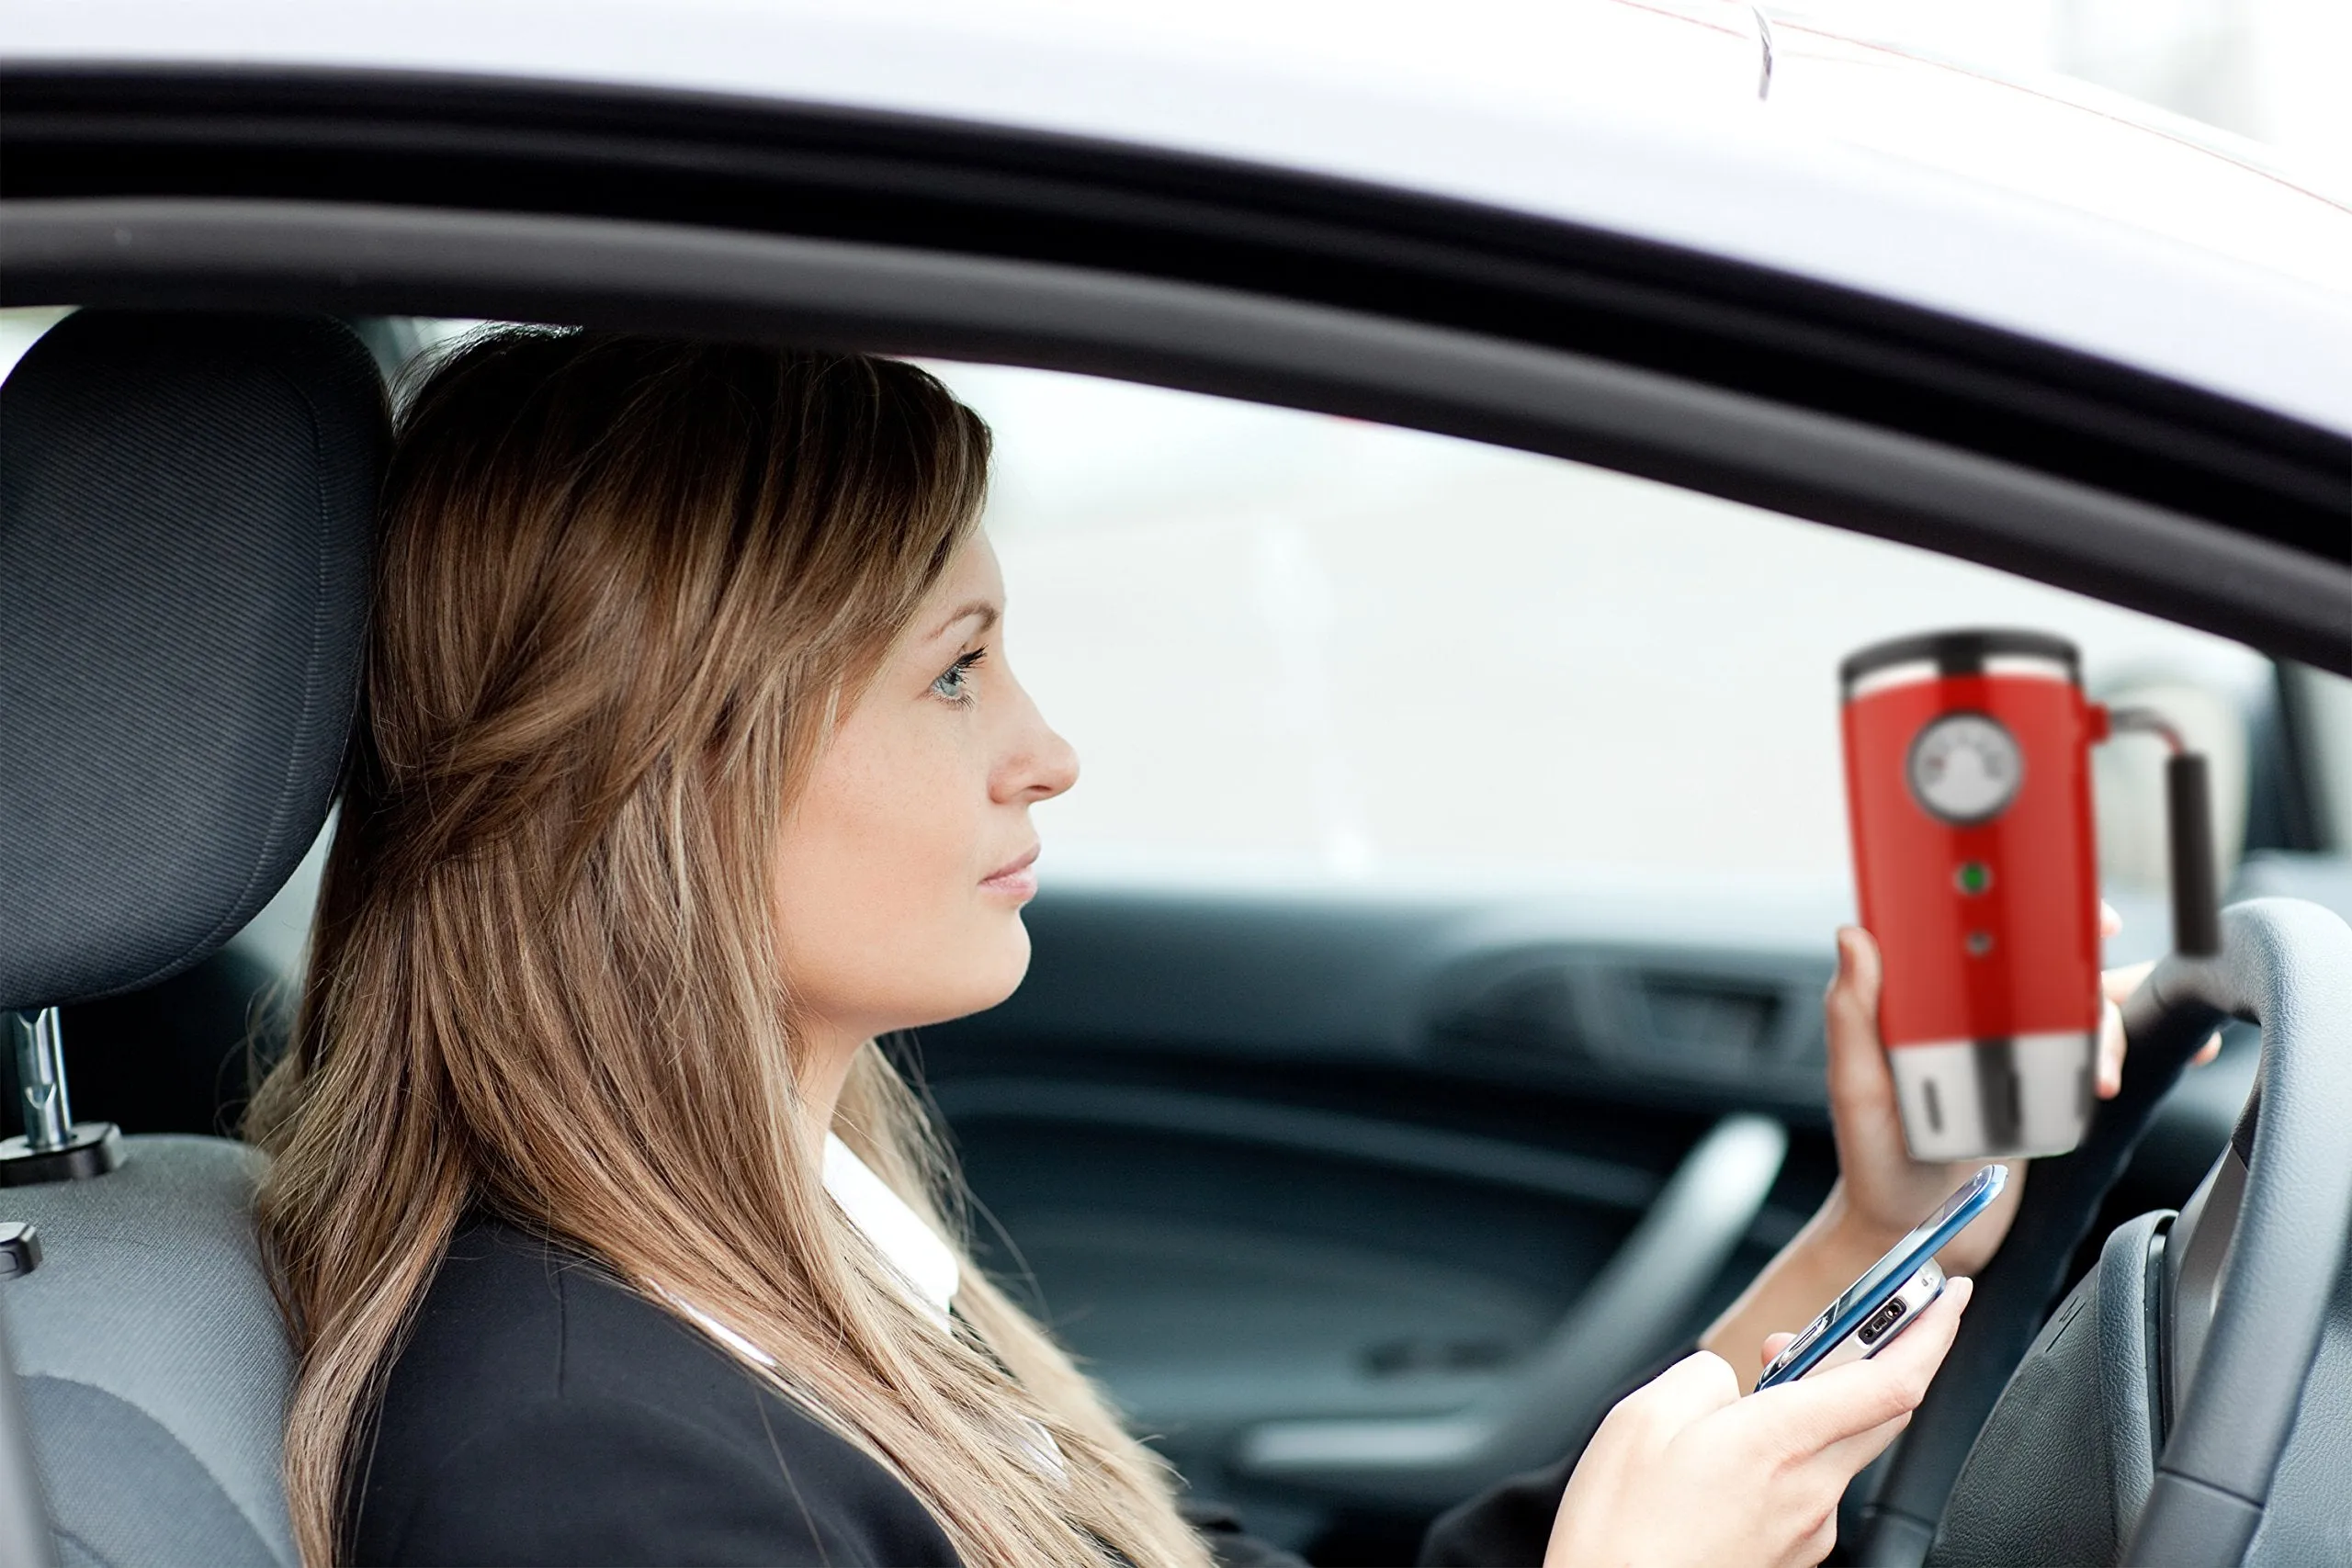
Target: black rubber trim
2157,1372
753,166
356,260
1959,652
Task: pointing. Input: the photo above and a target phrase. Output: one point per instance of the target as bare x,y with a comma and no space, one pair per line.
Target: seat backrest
186,511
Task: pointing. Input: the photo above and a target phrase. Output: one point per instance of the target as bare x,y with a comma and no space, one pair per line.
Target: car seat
186,505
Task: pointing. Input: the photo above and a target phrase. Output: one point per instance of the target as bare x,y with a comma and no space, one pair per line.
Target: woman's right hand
1685,1470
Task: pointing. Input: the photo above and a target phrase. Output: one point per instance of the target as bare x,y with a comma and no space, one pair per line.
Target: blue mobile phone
1871,1312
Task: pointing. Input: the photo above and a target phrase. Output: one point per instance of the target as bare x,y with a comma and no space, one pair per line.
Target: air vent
1718,1017
1425,1353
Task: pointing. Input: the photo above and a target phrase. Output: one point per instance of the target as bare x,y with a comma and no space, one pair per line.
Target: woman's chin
986,983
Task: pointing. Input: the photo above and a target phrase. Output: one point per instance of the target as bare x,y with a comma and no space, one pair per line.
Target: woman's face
908,858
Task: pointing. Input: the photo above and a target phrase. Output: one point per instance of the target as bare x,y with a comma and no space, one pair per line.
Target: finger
1847,1401
2109,922
1919,1350
1773,1344
2207,1052
1845,1458
2117,985
2110,1050
1698,1385
1823,1538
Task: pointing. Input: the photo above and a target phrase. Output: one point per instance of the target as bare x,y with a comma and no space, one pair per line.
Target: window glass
2327,703
1294,647
21,328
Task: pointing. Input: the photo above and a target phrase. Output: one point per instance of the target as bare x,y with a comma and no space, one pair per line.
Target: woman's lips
1018,879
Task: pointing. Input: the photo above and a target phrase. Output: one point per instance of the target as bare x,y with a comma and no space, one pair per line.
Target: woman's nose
1040,765
1064,770
1054,766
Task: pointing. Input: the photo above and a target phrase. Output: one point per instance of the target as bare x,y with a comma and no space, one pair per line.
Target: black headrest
186,509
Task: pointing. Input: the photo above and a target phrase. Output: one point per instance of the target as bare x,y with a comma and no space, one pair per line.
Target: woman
691,766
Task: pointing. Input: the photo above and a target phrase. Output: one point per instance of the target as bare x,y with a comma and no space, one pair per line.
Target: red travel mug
1969,792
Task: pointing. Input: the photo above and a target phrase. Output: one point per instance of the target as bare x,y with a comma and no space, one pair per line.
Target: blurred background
2270,70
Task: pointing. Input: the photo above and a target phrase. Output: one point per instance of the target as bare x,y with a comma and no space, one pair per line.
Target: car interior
1359,1189
1424,1033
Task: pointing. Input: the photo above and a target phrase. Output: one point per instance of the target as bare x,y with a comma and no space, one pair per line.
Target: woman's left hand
1882,1192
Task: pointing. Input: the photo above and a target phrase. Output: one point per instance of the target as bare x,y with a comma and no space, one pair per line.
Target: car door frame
382,192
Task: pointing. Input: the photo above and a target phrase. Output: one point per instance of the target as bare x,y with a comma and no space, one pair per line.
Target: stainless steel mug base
1995,1099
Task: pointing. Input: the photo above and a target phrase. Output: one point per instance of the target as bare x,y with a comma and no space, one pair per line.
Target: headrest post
55,1147
40,1078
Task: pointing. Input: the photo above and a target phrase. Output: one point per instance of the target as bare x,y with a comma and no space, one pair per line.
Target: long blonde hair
623,586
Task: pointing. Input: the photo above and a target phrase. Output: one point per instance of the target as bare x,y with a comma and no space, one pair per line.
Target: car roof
2033,207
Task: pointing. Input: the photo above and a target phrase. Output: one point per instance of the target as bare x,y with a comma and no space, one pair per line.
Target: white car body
2038,208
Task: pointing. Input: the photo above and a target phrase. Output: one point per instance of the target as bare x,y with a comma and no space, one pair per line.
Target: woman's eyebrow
987,612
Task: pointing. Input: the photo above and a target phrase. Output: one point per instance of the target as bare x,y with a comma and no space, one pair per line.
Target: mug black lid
1959,653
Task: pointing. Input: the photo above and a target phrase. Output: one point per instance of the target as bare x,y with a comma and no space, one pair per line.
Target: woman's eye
955,681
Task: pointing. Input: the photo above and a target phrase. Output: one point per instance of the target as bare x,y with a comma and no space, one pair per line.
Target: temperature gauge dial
1965,767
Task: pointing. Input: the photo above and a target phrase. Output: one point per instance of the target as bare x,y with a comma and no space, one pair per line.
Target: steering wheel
2090,1421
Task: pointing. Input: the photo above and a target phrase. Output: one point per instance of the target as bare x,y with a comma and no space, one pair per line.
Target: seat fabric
154,1369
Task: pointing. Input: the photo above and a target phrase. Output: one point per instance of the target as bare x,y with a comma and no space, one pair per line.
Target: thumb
1773,1344
1859,1075
1847,1401
1856,978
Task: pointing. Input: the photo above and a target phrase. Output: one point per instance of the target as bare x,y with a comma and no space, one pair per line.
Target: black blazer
543,1413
